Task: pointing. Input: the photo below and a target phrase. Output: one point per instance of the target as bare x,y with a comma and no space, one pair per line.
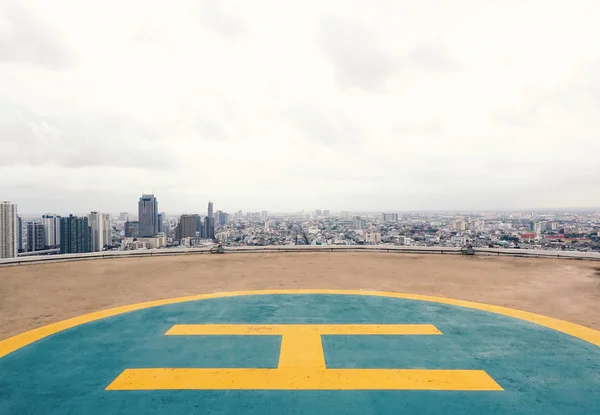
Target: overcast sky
290,105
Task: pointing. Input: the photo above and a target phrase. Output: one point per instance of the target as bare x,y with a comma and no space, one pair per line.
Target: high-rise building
131,229
357,222
210,209
75,236
264,215
147,216
186,227
209,228
390,217
19,234
161,222
35,237
268,225
100,229
540,227
326,213
51,230
318,212
221,218
8,230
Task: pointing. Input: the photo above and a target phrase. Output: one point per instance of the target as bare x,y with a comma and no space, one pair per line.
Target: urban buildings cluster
151,229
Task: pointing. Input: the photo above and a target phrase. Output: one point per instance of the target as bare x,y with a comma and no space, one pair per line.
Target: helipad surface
303,352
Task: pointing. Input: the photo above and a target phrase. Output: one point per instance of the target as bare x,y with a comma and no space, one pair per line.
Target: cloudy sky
290,105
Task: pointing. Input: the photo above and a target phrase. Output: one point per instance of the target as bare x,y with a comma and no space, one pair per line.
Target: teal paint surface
541,370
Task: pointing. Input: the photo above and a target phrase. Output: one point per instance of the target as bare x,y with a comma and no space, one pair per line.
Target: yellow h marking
302,364
300,343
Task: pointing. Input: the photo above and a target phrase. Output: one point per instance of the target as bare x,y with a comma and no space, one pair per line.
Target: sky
291,105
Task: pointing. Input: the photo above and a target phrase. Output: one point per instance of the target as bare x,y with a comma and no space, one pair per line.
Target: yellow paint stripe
298,379
301,348
285,329
20,340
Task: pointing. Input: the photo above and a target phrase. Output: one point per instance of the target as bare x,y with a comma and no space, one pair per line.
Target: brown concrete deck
34,295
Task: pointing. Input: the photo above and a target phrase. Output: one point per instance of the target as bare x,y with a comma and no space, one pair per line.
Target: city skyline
150,229
378,106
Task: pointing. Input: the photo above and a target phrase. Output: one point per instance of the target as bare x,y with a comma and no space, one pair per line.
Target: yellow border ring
21,340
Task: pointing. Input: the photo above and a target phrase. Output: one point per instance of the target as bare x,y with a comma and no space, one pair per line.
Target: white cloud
298,105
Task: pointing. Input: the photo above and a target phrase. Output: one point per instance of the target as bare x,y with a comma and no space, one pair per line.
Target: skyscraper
100,229
161,223
8,230
19,234
131,229
221,218
186,227
209,227
210,209
147,216
35,237
390,217
75,235
51,230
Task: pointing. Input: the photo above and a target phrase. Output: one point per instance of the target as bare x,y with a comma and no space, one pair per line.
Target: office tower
221,218
75,236
268,226
51,231
357,222
264,215
186,227
131,229
209,227
210,209
19,234
147,216
161,222
35,236
540,227
202,231
100,229
9,233
198,223
318,212
124,216
390,217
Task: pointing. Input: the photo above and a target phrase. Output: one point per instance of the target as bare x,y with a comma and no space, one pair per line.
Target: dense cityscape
48,234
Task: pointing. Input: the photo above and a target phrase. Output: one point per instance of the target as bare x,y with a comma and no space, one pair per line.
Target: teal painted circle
542,371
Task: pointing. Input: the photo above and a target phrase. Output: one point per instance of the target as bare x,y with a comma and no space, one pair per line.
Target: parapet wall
301,248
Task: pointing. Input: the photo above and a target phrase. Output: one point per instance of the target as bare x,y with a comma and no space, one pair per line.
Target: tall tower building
210,209
19,234
161,223
131,229
186,227
100,230
51,230
390,217
8,230
35,237
75,235
147,216
209,228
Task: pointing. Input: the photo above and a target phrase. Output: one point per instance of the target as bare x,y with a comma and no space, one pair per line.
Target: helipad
303,352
